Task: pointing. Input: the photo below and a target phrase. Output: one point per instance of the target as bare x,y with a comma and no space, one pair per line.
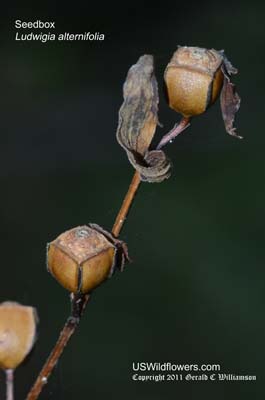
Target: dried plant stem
126,205
9,384
136,180
79,301
171,135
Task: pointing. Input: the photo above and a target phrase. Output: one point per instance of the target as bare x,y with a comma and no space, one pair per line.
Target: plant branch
136,180
126,205
171,135
79,301
9,384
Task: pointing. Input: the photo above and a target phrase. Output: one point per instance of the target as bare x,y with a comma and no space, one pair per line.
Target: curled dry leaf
138,121
17,333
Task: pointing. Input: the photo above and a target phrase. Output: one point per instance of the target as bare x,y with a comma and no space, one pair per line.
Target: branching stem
79,301
171,135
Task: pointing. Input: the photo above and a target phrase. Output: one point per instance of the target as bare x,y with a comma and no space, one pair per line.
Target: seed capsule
83,257
194,79
17,333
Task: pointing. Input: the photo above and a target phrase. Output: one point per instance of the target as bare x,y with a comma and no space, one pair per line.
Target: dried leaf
138,113
229,68
155,167
230,100
138,121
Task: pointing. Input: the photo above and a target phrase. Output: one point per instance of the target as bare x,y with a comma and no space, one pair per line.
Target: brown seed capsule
83,257
194,79
17,333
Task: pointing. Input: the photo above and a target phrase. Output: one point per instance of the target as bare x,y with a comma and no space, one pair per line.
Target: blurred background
195,290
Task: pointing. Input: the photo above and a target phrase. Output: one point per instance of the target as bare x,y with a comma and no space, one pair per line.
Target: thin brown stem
79,302
9,384
126,205
171,135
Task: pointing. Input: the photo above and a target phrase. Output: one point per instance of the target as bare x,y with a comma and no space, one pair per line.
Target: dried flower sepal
17,333
230,100
138,121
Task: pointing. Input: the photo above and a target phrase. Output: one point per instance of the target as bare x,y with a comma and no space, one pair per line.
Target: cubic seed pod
194,79
82,258
17,333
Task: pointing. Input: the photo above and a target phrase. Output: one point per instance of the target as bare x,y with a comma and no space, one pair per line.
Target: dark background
195,291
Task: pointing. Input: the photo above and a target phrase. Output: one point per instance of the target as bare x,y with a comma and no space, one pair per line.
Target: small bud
83,257
194,79
17,333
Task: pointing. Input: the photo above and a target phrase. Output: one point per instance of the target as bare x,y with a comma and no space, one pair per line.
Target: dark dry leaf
138,113
229,68
155,167
138,121
230,100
